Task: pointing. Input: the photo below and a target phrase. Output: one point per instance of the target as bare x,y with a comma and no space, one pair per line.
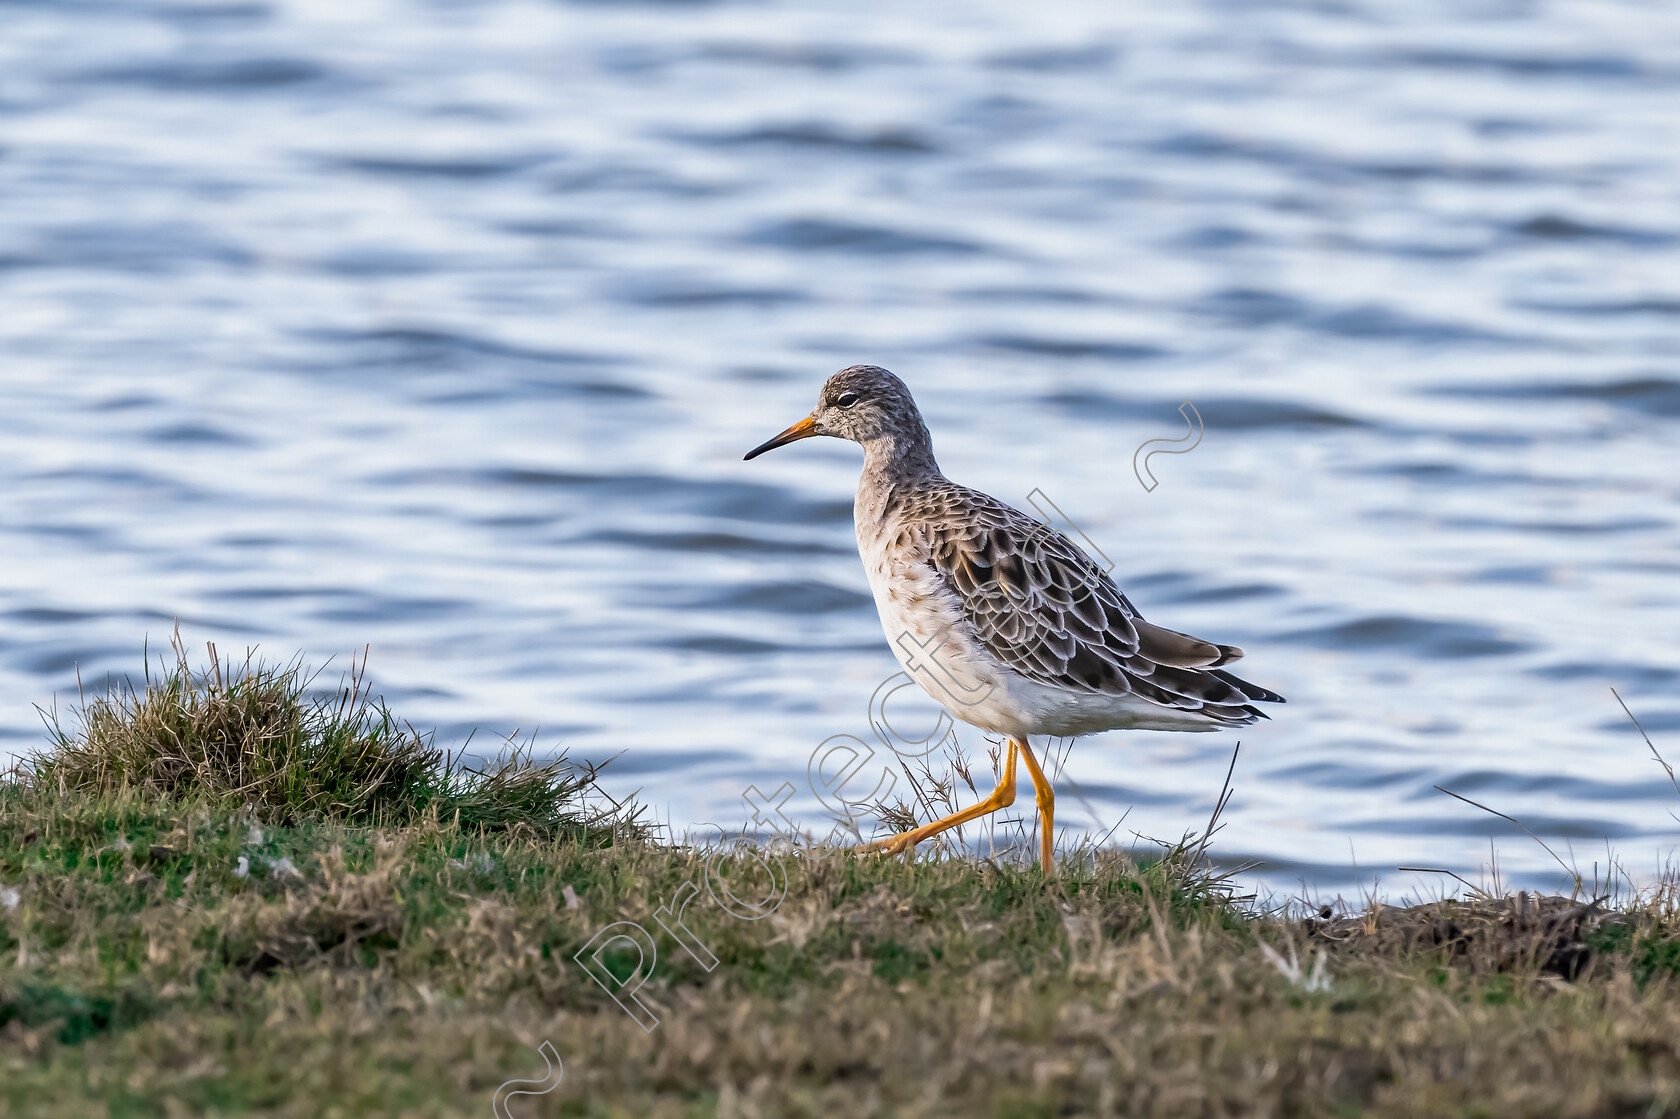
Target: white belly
932,641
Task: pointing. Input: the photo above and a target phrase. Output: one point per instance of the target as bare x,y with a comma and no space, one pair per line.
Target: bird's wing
1042,607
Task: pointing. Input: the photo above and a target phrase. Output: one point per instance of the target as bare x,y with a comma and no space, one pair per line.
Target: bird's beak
804,429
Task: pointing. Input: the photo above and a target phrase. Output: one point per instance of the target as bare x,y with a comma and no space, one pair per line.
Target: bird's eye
847,399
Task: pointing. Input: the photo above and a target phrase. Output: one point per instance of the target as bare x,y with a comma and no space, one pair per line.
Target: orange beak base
804,429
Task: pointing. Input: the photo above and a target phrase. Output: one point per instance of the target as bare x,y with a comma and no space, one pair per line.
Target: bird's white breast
933,642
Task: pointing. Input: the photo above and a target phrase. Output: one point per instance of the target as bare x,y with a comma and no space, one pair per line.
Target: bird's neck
893,463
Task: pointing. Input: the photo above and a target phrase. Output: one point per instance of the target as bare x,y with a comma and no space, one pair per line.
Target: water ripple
443,328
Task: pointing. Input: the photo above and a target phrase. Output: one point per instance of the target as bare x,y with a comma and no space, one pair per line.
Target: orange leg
1046,809
1001,797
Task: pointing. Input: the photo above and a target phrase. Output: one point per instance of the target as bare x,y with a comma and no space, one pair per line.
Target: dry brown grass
409,971
165,954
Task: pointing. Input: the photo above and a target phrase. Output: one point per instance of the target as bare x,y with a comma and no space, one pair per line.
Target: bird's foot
892,845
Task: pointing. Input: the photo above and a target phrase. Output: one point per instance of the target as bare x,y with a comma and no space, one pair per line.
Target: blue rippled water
443,327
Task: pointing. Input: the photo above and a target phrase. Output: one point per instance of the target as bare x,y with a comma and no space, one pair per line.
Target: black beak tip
804,429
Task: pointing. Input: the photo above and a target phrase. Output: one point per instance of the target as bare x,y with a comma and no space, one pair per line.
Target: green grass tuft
263,737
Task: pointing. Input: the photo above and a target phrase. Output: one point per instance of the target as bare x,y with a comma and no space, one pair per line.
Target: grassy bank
190,924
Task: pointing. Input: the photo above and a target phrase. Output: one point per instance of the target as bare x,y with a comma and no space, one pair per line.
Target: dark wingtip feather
1252,691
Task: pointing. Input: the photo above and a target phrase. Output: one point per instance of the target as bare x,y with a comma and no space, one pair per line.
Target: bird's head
862,403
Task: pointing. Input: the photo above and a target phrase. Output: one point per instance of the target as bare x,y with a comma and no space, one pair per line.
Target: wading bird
1036,639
